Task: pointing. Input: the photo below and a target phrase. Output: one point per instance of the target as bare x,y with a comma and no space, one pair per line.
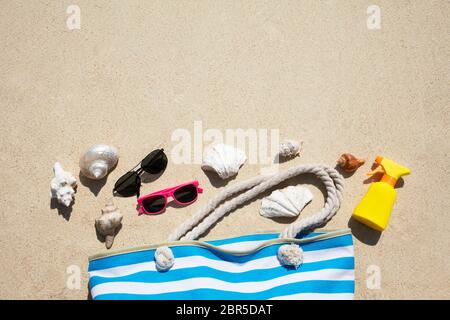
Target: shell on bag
287,202
98,161
62,186
109,222
224,160
290,255
164,259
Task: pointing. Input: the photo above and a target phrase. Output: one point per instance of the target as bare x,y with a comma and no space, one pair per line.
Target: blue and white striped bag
246,267
204,270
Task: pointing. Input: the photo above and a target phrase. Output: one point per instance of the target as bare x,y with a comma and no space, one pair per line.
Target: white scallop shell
287,202
223,159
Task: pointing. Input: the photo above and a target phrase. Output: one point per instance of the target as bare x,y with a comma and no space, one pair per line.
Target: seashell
164,258
109,223
290,255
62,186
290,149
349,162
224,160
287,202
98,160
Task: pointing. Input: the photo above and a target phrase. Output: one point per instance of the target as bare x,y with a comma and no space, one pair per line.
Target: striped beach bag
297,263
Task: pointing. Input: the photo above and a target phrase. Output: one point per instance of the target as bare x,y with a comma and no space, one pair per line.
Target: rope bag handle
219,206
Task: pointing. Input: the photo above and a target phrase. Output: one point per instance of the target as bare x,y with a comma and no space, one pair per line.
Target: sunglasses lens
186,194
155,162
154,204
128,184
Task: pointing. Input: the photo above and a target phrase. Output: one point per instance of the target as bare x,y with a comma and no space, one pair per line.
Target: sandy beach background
138,70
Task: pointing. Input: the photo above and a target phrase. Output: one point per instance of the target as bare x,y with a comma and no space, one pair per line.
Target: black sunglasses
130,183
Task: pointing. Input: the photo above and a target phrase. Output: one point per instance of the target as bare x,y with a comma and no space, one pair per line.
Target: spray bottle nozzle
378,170
391,170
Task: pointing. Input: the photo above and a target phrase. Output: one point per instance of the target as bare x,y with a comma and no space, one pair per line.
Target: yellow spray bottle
375,208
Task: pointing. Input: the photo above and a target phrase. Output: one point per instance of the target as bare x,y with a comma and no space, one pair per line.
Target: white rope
213,211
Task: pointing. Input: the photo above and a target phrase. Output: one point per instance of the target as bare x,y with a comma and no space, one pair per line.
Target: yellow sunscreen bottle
375,208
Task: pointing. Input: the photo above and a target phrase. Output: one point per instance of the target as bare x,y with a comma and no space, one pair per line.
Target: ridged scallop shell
287,202
224,160
98,160
109,222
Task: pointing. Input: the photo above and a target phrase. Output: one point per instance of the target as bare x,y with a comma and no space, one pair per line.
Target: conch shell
287,202
349,162
109,223
290,149
62,186
224,160
98,160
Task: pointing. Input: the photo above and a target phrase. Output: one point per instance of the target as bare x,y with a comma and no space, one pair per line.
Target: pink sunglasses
156,202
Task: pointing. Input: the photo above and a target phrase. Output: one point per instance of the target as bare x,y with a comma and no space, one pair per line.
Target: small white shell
164,258
98,160
223,159
109,222
62,186
290,255
287,202
289,149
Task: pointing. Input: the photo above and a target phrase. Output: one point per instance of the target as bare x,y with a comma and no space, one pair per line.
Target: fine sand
137,71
